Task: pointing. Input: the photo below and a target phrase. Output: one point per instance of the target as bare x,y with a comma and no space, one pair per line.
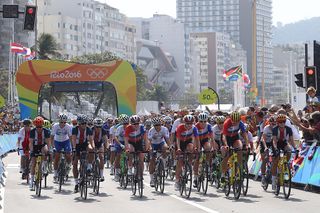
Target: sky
285,11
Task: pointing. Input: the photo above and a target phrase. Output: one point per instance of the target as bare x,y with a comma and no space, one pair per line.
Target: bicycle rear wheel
161,176
38,185
140,186
61,177
245,181
96,178
237,183
286,180
188,179
85,186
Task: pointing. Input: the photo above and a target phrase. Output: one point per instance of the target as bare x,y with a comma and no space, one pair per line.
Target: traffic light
299,81
30,17
311,77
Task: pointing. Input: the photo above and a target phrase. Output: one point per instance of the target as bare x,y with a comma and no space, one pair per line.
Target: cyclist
187,141
167,122
60,135
90,122
265,144
159,138
100,138
111,144
282,135
82,140
134,136
23,145
230,138
119,143
207,142
38,143
217,130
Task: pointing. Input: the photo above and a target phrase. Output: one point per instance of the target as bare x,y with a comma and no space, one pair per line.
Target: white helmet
63,117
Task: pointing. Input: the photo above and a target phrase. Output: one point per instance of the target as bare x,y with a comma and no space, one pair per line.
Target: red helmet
38,121
188,119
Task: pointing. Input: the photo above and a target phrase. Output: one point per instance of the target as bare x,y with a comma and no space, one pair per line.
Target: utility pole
254,46
262,80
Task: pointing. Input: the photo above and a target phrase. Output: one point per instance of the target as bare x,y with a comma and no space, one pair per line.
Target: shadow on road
196,199
159,194
42,197
137,198
253,196
212,195
63,192
243,200
88,200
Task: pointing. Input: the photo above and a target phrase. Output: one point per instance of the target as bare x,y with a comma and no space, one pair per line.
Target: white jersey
120,133
267,131
61,134
158,137
217,132
175,125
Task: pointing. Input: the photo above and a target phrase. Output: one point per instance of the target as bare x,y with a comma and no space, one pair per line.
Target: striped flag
31,56
16,48
233,73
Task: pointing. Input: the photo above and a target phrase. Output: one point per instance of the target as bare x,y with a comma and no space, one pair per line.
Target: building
210,54
12,30
168,34
235,17
89,27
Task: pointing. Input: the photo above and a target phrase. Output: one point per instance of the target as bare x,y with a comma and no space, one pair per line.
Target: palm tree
47,47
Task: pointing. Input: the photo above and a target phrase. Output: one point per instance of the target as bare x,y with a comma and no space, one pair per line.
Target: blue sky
285,11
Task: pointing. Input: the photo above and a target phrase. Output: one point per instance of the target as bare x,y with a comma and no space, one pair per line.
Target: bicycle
96,173
203,179
159,174
186,175
137,178
62,170
283,175
83,179
26,170
268,175
124,179
233,175
245,171
170,167
37,184
216,170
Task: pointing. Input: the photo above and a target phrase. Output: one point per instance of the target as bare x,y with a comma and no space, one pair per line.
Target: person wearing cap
311,92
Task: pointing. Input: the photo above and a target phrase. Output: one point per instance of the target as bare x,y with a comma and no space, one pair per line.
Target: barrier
305,171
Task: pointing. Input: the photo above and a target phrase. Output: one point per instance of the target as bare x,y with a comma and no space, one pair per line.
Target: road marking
2,189
192,203
12,166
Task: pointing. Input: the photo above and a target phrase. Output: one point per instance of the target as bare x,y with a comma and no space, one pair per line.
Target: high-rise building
236,18
168,34
12,30
87,26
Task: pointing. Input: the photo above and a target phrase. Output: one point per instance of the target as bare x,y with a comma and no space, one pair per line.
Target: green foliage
47,47
158,93
4,83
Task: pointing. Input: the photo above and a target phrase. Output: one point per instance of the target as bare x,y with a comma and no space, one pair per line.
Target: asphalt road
18,198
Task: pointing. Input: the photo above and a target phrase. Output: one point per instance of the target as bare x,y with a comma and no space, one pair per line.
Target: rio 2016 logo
65,74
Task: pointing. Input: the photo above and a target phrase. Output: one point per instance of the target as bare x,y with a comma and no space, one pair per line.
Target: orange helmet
281,118
38,121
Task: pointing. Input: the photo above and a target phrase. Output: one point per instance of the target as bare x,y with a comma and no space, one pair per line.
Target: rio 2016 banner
31,75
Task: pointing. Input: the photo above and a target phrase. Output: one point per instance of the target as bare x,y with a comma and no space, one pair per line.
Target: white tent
143,112
214,107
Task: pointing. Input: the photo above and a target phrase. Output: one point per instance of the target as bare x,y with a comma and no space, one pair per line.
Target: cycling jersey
231,130
120,133
98,135
39,137
158,137
282,134
217,132
205,133
185,135
134,135
175,125
267,131
81,134
61,134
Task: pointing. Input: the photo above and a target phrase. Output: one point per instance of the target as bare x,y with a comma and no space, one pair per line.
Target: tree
158,93
47,47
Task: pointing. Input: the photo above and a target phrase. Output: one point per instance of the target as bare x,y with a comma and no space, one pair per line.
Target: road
18,198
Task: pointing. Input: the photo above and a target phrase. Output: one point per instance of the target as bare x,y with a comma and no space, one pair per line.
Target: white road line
2,189
12,166
192,203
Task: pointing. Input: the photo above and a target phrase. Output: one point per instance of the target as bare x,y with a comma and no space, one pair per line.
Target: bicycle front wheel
188,180
161,176
286,180
227,184
205,181
237,183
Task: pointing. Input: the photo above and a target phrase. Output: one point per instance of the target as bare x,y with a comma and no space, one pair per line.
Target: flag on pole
233,73
31,56
16,48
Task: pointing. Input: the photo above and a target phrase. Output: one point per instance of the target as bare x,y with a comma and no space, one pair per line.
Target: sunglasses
157,125
63,122
282,122
83,123
188,123
203,121
136,123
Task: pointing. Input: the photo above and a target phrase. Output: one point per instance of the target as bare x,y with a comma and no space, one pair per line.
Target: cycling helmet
124,119
148,122
134,119
281,118
63,117
26,122
47,124
167,119
38,121
116,120
188,119
98,122
203,117
82,119
156,121
220,119
272,119
235,116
